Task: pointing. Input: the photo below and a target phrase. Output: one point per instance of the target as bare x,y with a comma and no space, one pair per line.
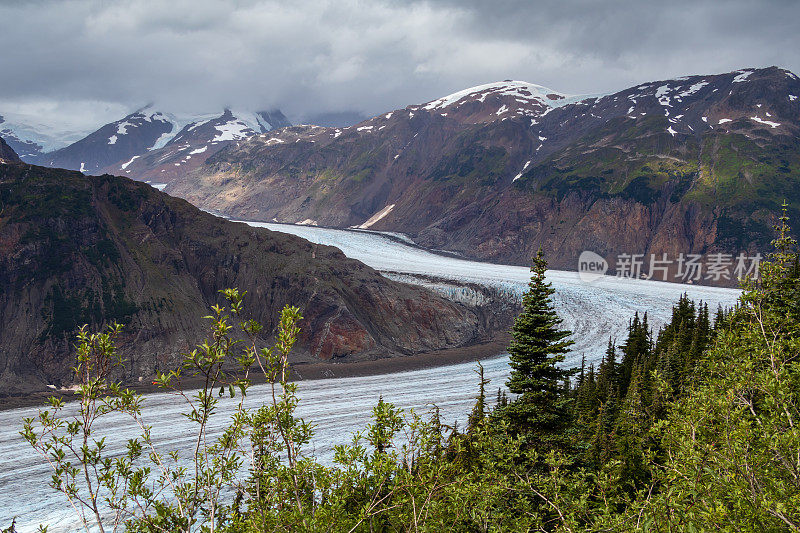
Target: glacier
340,406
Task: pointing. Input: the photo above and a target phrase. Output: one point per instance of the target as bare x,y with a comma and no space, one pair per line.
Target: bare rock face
7,155
83,250
699,164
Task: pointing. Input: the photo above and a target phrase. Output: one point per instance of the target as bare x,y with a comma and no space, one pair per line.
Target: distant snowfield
340,406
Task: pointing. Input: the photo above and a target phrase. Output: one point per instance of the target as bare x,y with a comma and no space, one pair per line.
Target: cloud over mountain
317,56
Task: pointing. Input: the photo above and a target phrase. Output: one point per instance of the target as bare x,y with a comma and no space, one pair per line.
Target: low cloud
308,57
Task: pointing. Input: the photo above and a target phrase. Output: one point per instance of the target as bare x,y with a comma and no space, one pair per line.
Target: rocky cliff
76,249
694,165
7,155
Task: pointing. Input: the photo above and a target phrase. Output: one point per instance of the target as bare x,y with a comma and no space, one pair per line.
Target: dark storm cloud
317,56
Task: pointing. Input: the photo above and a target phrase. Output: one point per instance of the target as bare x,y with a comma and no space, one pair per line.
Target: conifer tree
540,410
607,377
479,410
636,349
778,287
602,446
630,435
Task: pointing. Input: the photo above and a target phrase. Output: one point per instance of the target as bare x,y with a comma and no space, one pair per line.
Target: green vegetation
47,202
472,164
736,169
537,347
695,428
328,174
123,196
742,179
32,197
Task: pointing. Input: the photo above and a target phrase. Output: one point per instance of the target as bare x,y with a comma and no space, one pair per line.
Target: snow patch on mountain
661,95
692,89
179,122
254,121
767,122
125,165
376,217
521,172
162,141
122,127
232,131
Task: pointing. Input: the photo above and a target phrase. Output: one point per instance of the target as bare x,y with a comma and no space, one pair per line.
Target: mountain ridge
158,140
496,171
97,249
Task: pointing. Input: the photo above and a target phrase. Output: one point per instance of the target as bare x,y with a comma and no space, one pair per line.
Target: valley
92,250
339,406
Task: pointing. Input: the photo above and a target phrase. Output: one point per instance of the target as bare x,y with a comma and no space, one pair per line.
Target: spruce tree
478,413
540,410
607,378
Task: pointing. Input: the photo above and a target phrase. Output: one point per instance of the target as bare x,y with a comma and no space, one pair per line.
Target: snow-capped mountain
30,138
27,148
191,141
509,98
149,138
695,164
131,135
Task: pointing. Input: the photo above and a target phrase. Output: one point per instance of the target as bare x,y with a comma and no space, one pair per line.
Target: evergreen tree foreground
541,409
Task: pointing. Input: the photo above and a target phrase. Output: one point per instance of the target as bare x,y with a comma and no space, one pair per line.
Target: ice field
340,406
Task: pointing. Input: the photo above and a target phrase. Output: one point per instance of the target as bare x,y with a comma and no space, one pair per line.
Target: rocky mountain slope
698,164
76,249
155,145
7,154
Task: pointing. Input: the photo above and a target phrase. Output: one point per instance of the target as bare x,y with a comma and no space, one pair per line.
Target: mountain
19,137
191,141
153,144
31,134
113,142
76,249
29,149
7,154
697,164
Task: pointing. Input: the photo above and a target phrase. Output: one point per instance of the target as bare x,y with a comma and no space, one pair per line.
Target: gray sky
88,60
